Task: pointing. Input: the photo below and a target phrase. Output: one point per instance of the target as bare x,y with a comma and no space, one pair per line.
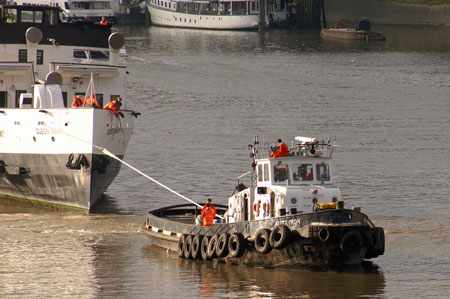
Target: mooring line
104,150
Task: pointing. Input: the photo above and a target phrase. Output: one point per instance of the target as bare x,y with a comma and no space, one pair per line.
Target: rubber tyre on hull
375,242
351,242
280,236
212,246
180,248
204,248
222,245
262,241
195,247
187,246
236,245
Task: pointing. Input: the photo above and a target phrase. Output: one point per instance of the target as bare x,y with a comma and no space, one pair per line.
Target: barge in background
51,155
363,32
291,215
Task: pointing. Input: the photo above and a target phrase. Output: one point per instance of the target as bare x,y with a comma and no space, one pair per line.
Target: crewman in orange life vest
208,213
281,152
114,106
103,22
78,101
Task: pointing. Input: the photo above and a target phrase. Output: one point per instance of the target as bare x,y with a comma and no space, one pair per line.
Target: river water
203,95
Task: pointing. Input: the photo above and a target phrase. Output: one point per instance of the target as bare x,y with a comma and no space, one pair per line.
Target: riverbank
393,12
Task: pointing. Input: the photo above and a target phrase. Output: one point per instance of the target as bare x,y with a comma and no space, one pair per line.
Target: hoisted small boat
290,215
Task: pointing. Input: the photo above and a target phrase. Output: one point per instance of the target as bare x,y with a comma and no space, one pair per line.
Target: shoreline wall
406,12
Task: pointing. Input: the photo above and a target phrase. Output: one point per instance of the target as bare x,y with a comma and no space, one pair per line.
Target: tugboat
291,215
52,150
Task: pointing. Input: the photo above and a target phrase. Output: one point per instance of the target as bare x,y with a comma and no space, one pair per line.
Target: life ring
236,245
262,241
323,234
222,245
256,207
351,242
195,247
180,248
212,246
280,236
204,248
187,246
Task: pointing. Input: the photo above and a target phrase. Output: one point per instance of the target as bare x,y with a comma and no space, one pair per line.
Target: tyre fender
236,245
280,236
262,241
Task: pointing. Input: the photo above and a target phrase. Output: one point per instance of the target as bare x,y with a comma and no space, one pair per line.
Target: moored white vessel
220,15
78,9
50,153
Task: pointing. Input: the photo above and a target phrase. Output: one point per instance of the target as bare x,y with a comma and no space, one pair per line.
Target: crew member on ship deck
208,213
103,22
282,151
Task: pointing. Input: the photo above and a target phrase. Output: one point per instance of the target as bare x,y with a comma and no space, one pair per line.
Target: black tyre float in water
180,248
262,241
195,247
351,242
280,236
204,248
212,246
236,245
222,245
187,246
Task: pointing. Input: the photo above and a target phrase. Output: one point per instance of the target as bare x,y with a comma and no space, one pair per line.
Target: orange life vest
208,215
112,106
104,22
91,101
78,101
281,152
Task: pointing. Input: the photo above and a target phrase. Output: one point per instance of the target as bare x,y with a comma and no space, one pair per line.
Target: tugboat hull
325,239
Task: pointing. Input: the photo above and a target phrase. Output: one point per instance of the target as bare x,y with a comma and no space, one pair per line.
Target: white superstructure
79,9
299,182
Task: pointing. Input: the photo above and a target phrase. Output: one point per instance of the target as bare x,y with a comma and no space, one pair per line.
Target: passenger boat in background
363,32
222,15
51,154
77,10
291,215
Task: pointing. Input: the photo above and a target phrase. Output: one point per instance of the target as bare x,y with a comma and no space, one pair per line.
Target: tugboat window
260,173
302,172
28,16
11,15
266,172
280,172
323,172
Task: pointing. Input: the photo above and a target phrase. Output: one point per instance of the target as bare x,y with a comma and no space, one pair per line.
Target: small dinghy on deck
291,215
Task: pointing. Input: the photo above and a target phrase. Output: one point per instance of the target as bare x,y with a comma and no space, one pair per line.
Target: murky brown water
203,96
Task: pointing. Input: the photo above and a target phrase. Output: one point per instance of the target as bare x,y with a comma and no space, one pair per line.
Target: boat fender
187,246
351,242
262,241
212,246
324,234
375,242
195,246
180,248
222,245
236,245
280,236
204,248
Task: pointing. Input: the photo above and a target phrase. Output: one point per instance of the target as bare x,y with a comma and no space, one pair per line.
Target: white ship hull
36,149
170,17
